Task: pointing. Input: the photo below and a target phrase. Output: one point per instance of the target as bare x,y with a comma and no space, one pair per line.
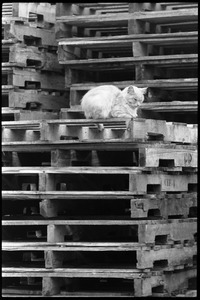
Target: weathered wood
148,235
131,61
173,257
122,18
147,259
35,79
23,10
142,286
91,221
21,32
131,130
30,56
164,205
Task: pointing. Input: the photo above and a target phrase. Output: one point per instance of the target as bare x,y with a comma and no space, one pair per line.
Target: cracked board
112,129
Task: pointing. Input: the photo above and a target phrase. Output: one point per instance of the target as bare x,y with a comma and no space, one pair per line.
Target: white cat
108,101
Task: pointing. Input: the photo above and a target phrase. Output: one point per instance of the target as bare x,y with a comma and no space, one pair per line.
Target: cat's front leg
118,114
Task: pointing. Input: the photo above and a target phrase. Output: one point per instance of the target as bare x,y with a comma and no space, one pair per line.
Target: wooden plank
105,63
89,221
174,106
71,272
39,195
78,41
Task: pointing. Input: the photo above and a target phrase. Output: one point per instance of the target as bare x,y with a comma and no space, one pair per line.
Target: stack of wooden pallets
111,212
149,46
32,78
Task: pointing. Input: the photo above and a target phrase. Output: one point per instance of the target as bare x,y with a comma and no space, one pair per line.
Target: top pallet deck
113,129
127,20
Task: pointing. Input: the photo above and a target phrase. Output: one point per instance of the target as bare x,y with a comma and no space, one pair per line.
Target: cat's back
102,90
97,102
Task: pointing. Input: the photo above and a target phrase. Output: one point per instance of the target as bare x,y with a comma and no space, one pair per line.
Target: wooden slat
38,195
114,63
96,41
122,18
89,221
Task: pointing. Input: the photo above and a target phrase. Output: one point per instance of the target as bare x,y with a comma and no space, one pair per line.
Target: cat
108,101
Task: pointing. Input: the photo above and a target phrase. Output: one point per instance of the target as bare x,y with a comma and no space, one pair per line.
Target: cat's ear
130,89
144,90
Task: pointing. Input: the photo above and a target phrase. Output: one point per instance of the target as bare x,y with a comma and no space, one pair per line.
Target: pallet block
112,129
164,205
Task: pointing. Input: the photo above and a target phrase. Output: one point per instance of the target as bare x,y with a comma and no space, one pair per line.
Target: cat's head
134,95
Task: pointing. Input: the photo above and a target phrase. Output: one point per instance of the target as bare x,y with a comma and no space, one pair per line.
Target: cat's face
134,95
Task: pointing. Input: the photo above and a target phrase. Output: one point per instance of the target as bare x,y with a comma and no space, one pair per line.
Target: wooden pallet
19,31
19,55
142,68
88,287
133,179
107,154
127,20
93,255
181,205
32,79
40,14
137,24
136,44
33,98
117,129
174,87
